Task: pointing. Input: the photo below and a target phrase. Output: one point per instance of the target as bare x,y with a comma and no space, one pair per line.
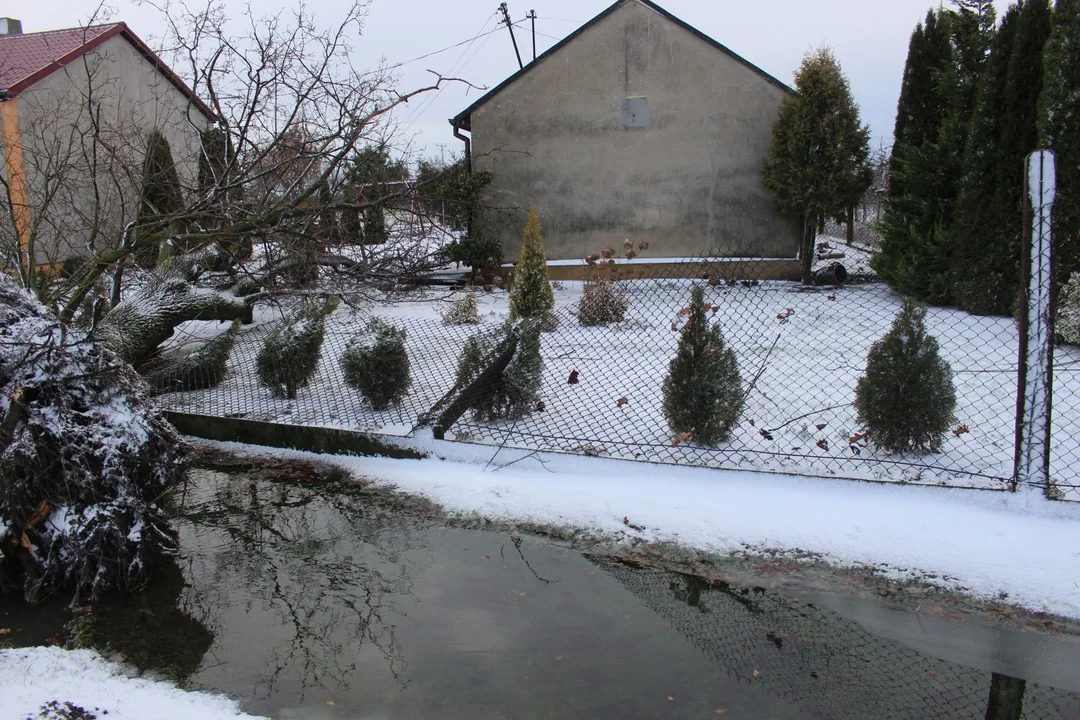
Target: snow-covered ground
34,678
809,346
1014,547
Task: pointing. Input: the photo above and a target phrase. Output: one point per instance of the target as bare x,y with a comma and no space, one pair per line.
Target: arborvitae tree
921,108
818,161
290,353
377,364
703,392
531,295
160,197
944,62
906,398
990,267
982,219
200,369
1059,130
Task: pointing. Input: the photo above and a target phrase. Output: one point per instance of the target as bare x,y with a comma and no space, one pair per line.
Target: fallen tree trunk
136,327
197,370
465,395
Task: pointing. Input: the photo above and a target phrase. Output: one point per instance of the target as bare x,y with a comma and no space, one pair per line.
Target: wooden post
1036,321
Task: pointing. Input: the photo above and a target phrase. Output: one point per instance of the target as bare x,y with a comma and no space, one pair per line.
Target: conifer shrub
290,353
906,398
602,303
530,294
465,310
482,253
703,392
515,393
1068,315
376,364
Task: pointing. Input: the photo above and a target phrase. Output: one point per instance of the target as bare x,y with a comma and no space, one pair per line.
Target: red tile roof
26,59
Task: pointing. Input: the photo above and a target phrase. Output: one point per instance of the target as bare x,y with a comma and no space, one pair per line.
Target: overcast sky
869,38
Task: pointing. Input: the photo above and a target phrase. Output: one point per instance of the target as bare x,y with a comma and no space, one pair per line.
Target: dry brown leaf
5,631
721,711
330,703
622,401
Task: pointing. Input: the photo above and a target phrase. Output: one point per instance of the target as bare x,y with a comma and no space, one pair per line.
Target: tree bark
851,225
807,252
137,326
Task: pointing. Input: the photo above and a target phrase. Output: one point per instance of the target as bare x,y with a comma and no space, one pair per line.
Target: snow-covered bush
530,294
463,311
1068,316
376,364
515,393
290,353
906,398
703,392
85,460
602,303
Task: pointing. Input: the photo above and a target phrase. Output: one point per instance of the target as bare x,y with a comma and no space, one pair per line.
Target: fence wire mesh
827,665
800,351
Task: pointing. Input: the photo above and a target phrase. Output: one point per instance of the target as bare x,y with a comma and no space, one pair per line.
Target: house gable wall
635,128
91,189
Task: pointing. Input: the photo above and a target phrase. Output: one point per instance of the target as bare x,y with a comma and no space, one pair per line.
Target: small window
635,111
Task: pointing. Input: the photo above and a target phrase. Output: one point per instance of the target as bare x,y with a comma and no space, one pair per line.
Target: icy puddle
315,598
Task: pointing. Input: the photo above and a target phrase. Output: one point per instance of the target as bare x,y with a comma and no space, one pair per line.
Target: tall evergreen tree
160,197
818,161
1059,129
988,240
941,81
920,110
982,220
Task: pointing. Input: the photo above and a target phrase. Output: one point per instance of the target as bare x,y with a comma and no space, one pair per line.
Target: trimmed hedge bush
602,303
465,310
703,392
906,398
375,363
290,353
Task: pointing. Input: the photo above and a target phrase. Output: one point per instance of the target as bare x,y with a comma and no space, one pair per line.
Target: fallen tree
85,461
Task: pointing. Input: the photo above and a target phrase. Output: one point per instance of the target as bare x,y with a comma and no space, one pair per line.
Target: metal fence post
1036,320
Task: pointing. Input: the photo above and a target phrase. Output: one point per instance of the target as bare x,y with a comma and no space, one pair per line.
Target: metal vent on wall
634,112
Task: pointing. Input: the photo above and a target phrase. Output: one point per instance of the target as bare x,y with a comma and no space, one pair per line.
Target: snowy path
992,545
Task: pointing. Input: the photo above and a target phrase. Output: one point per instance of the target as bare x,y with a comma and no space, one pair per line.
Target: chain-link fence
800,352
827,665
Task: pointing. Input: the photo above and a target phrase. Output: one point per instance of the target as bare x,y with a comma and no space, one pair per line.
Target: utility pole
510,27
532,16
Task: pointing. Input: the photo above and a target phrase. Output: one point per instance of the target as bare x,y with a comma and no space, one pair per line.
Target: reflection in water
1006,698
825,664
318,556
156,630
309,589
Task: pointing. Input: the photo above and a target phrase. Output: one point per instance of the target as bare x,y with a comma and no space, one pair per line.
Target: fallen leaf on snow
765,434
622,401
573,379
960,430
330,703
821,426
823,444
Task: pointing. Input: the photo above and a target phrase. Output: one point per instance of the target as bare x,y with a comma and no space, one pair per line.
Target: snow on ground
34,677
809,346
1016,547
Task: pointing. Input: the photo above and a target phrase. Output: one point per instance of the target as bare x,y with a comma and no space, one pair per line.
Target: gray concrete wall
92,192
688,180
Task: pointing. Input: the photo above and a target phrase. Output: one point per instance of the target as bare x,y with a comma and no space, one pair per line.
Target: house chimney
10,26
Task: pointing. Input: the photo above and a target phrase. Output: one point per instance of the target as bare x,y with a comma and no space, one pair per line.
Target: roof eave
462,119
141,47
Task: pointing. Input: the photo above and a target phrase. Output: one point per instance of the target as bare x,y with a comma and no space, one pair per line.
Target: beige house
76,107
635,126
